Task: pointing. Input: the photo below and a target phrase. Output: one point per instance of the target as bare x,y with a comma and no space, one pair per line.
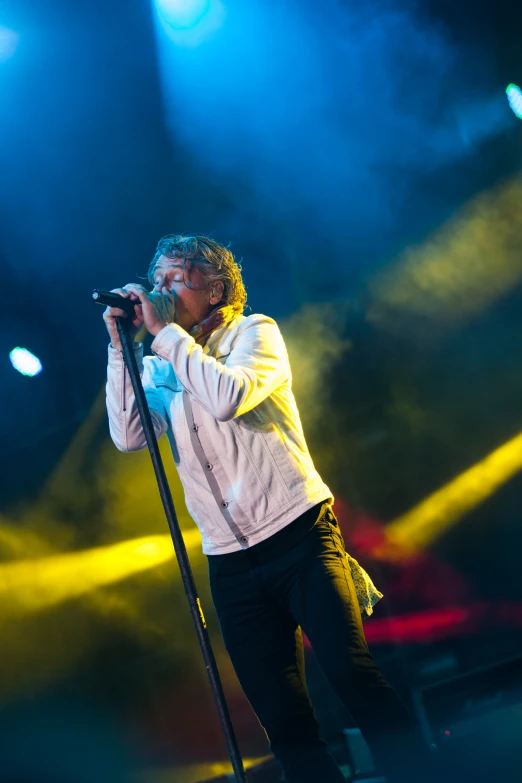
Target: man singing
220,385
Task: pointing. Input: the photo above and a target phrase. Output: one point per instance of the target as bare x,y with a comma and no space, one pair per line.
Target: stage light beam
428,520
458,272
28,586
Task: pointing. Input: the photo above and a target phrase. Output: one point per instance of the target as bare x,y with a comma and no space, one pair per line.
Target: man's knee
287,730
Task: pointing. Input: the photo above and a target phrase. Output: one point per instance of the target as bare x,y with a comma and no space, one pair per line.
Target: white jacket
233,426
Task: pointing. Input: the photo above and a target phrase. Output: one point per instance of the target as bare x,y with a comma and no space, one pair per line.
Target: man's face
193,297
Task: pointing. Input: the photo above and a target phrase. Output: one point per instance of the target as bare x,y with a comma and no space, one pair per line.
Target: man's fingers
115,312
135,290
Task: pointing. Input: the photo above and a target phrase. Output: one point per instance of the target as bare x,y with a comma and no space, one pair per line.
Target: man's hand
155,310
111,313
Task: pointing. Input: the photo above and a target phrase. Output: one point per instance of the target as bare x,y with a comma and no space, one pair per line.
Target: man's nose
158,285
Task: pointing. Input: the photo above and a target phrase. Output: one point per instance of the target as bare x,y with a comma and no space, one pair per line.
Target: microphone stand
181,553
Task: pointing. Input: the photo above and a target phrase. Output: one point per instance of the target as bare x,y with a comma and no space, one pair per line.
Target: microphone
109,299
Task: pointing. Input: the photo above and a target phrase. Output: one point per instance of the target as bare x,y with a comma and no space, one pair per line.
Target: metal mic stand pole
181,553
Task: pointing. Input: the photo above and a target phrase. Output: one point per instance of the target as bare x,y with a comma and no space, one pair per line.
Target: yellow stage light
418,527
470,262
28,586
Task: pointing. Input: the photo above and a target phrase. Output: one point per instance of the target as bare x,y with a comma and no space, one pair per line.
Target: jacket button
194,428
243,539
208,466
224,504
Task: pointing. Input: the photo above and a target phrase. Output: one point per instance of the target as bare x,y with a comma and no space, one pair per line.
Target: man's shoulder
241,327
256,327
244,321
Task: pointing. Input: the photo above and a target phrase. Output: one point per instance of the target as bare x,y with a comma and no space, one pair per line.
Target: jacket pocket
261,463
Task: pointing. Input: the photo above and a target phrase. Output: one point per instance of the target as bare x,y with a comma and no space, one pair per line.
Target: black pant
299,578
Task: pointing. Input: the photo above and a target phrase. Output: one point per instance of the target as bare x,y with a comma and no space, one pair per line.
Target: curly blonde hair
215,262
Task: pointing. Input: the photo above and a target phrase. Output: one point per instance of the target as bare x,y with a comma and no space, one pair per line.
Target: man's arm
124,420
256,366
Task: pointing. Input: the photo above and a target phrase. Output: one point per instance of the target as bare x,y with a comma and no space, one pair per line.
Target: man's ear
216,292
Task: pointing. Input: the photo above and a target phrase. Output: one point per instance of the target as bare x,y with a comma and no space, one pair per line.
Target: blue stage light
25,362
8,42
514,95
182,14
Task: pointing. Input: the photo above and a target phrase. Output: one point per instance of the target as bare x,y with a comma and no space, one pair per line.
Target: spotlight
514,95
25,362
182,14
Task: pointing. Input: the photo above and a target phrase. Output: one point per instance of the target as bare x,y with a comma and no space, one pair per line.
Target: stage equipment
475,720
110,299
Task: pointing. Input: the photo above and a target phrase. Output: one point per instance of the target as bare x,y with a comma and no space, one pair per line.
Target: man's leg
266,650
322,598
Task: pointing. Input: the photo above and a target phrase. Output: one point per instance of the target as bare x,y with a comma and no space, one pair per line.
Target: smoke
459,272
330,113
314,340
